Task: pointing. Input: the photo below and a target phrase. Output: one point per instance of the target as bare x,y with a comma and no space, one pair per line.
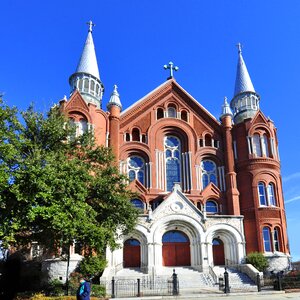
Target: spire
114,98
243,82
86,78
88,61
245,102
226,111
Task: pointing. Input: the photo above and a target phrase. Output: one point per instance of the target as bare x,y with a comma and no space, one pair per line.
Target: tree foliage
258,260
57,188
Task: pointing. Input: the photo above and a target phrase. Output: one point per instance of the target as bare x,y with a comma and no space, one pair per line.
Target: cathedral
209,189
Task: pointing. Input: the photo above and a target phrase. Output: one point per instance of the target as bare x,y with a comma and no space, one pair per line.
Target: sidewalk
267,295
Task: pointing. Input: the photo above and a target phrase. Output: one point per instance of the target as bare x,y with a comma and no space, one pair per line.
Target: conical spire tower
86,78
245,102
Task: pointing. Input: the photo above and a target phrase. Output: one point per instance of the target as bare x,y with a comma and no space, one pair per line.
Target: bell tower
86,78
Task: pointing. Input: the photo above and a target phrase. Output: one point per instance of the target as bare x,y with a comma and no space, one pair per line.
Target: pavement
264,295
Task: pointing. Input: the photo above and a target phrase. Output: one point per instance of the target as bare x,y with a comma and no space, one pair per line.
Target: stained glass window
211,207
172,152
209,173
137,203
136,169
174,236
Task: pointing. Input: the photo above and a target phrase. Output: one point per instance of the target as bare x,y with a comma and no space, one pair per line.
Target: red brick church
210,188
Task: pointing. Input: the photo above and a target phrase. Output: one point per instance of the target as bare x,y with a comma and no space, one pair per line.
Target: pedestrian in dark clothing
84,290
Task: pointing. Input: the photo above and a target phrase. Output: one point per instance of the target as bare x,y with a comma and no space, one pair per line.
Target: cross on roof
239,46
172,68
91,25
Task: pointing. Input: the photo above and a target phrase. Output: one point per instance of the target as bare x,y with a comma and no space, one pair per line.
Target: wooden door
176,249
218,252
132,254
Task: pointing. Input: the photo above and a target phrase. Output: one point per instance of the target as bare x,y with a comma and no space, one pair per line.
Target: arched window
209,173
172,112
207,140
136,169
86,85
211,207
92,86
80,85
256,145
175,236
159,113
276,239
173,159
82,127
267,239
139,204
135,134
262,194
265,146
271,194
184,116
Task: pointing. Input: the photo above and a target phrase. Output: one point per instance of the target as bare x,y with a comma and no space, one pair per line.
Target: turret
86,78
114,107
245,102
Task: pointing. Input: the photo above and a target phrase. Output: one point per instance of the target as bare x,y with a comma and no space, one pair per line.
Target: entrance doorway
218,252
132,254
176,249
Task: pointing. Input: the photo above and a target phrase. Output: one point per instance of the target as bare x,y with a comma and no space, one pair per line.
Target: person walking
84,290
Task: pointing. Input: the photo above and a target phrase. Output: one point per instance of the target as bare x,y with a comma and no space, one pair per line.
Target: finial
225,100
172,68
115,87
91,25
239,46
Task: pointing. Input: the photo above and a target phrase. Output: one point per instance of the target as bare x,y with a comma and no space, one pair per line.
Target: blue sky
41,42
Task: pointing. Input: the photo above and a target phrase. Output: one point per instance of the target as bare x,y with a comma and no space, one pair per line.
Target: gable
76,102
177,203
139,114
259,118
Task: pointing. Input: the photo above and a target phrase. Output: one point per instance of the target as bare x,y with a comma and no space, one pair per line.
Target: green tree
258,260
60,188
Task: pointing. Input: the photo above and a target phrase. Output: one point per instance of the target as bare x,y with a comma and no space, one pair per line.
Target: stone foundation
56,268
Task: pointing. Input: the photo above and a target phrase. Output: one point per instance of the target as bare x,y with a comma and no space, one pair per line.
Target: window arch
136,134
256,145
266,194
172,112
207,140
209,173
137,203
267,239
173,160
136,169
184,115
86,85
211,207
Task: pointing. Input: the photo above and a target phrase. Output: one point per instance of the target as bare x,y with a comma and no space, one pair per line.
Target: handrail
213,274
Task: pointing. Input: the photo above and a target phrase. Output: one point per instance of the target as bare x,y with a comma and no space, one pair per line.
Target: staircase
237,281
130,273
189,279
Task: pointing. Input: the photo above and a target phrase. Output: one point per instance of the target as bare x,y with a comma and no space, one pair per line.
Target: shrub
55,288
92,266
98,290
258,260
